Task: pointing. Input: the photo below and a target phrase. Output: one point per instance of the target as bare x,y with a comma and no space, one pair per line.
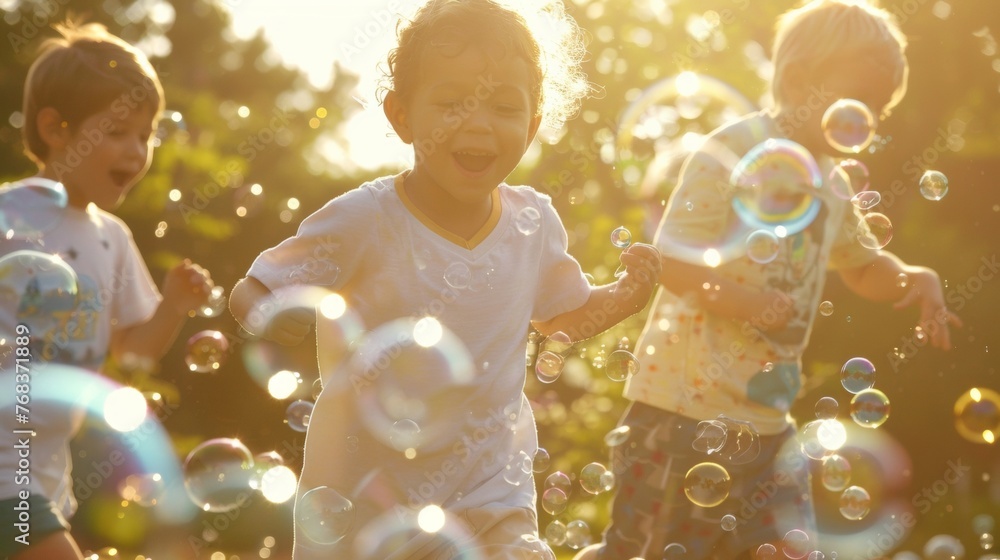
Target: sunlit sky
313,34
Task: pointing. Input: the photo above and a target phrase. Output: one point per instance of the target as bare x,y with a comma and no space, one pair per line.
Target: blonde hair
821,31
539,31
80,73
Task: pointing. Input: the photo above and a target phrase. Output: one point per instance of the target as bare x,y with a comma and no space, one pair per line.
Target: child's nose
479,121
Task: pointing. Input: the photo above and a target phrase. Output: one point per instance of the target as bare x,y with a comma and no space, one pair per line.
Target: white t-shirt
115,291
390,261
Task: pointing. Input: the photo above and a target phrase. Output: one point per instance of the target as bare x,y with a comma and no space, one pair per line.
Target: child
470,82
91,103
729,339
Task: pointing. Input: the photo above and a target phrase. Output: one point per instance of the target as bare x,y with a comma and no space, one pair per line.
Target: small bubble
621,237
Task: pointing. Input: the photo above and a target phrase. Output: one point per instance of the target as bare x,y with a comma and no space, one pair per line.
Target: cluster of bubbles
736,441
219,472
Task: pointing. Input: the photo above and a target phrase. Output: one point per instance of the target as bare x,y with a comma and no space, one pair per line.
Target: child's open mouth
474,161
121,178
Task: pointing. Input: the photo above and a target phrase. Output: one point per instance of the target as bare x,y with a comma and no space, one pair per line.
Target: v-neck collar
487,228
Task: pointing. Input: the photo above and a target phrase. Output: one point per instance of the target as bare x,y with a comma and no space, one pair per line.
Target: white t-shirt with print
115,291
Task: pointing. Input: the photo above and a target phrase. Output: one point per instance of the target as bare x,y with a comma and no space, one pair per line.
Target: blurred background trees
240,164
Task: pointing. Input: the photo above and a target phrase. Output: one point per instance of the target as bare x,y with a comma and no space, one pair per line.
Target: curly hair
539,31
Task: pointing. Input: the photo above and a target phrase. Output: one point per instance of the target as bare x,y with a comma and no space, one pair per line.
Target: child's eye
505,109
450,104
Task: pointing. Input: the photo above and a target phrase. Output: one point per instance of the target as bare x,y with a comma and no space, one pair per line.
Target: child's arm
253,305
325,447
186,287
724,297
608,305
879,281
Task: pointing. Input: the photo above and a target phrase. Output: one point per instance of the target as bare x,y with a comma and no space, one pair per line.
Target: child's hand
187,287
925,289
642,271
289,327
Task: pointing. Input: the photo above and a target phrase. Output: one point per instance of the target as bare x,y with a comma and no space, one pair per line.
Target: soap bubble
795,545
874,231
728,522
848,177
835,472
977,415
674,551
577,534
617,436
33,283
933,185
621,364
857,374
405,372
30,209
855,503
554,501
297,415
762,246
775,184
216,303
594,478
870,408
528,220
826,308
848,126
866,200
555,533
707,484
217,474
324,515
826,408
541,461
206,351
621,237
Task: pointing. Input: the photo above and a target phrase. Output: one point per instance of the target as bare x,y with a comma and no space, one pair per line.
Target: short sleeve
847,251
561,284
328,248
699,211
139,297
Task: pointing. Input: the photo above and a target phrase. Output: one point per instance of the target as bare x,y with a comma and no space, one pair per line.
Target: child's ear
536,121
52,128
395,111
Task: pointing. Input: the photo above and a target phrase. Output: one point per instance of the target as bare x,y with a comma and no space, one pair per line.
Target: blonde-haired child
735,349
449,246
